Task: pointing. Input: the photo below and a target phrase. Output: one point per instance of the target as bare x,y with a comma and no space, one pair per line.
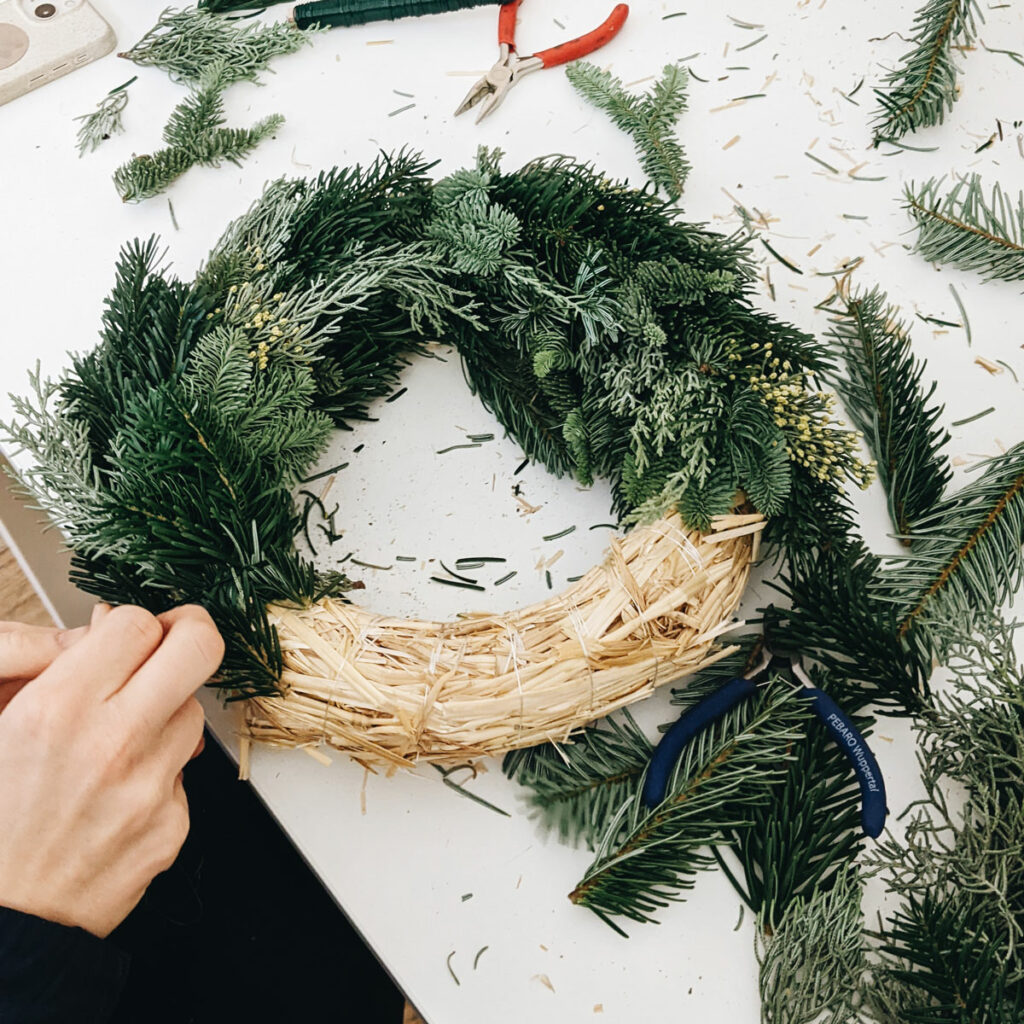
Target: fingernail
99,613
69,637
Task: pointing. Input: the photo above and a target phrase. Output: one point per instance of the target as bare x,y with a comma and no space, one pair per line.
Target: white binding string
686,547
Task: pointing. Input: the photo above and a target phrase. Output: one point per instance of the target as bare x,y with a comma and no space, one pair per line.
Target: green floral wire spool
362,12
609,338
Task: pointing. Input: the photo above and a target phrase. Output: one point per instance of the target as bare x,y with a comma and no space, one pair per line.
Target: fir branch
185,43
195,135
883,393
650,119
967,556
650,857
578,787
838,619
105,120
923,88
966,230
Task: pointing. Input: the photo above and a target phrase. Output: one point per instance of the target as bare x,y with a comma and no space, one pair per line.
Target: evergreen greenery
578,787
608,336
883,393
650,120
649,856
813,962
185,43
105,120
195,134
966,230
634,350
966,554
953,951
923,88
207,53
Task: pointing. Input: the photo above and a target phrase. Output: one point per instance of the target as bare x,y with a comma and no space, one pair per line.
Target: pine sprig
577,788
650,119
105,120
185,43
195,134
967,556
650,857
923,88
967,230
884,394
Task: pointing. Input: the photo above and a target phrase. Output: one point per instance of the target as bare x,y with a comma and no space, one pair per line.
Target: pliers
846,735
510,68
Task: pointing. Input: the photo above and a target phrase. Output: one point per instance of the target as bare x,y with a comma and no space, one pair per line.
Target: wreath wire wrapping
608,336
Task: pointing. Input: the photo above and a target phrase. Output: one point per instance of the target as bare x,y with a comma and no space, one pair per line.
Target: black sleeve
52,974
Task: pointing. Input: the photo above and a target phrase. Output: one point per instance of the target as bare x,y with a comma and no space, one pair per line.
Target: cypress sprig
105,120
922,89
649,119
954,950
965,229
882,390
812,962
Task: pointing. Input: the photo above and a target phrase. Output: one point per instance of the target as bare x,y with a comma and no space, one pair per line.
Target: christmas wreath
608,336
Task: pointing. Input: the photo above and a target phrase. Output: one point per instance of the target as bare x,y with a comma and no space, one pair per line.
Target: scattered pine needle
455,447
818,160
455,977
963,313
732,142
326,472
480,953
462,791
747,46
782,259
560,534
976,416
456,583
402,110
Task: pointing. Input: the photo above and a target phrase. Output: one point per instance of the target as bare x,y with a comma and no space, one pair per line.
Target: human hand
25,651
92,805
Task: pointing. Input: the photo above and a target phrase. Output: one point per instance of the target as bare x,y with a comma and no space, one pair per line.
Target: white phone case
41,40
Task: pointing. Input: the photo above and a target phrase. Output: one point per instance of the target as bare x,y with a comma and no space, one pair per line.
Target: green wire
361,12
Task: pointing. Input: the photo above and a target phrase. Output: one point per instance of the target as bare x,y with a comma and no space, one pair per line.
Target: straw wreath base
397,691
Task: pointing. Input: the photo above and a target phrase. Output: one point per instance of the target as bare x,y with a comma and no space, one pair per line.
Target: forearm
52,974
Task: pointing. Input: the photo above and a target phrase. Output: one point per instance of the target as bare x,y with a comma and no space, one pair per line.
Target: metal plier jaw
492,89
510,68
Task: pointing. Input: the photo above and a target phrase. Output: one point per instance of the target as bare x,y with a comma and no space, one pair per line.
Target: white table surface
401,855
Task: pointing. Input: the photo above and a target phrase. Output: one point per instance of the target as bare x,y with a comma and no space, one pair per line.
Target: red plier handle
564,52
